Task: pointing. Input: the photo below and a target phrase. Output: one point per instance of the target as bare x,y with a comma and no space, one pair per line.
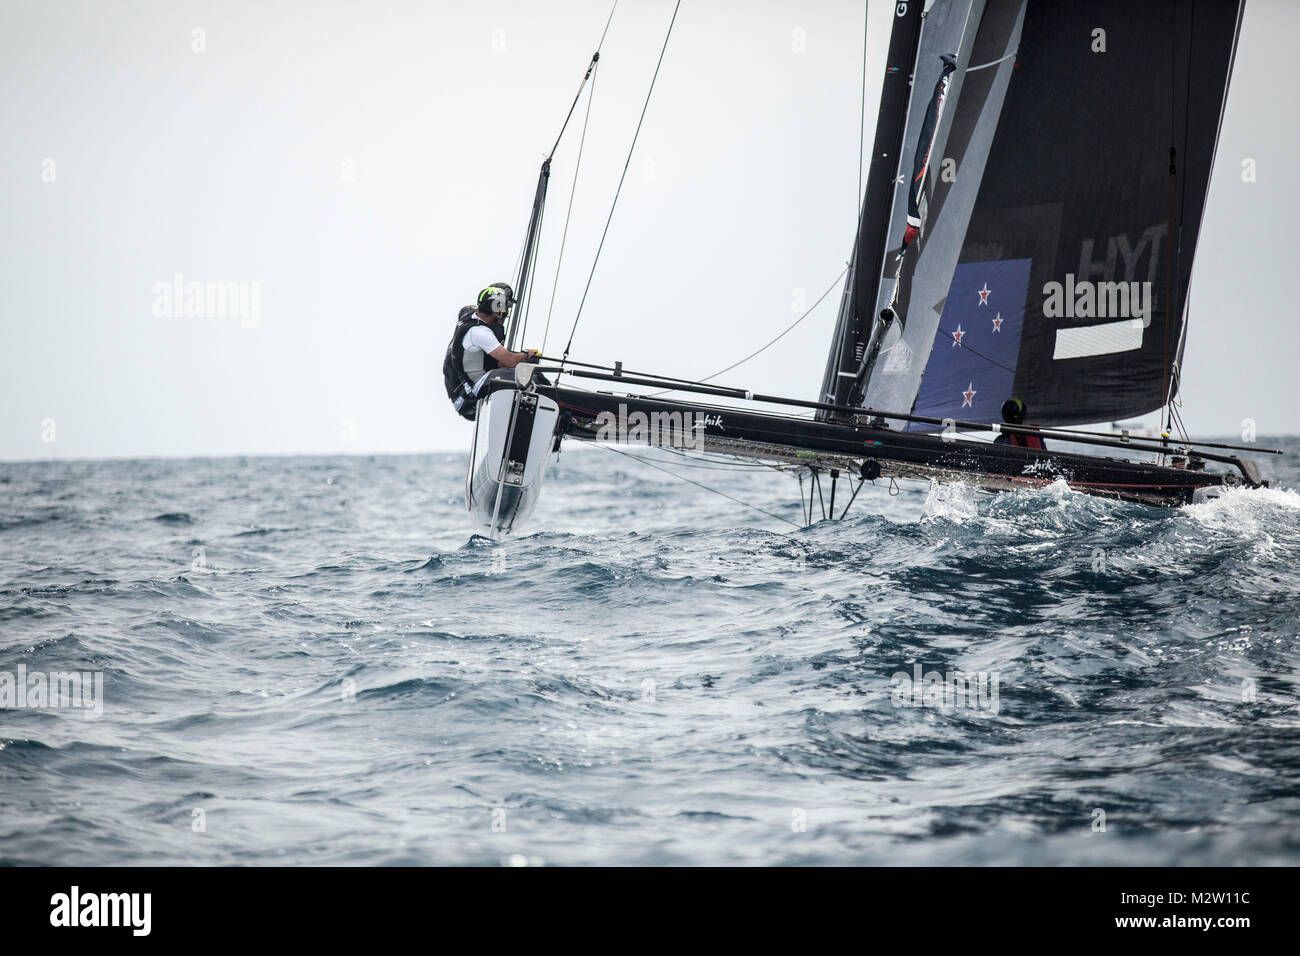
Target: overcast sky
362,169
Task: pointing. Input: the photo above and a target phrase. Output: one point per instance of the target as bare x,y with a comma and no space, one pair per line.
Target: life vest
462,369
1025,441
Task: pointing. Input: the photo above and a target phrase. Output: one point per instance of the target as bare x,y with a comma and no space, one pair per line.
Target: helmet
496,300
1013,411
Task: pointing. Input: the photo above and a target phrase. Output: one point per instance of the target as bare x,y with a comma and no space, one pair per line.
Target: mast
530,247
857,305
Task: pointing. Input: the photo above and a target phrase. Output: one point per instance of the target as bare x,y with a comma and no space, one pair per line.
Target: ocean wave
648,674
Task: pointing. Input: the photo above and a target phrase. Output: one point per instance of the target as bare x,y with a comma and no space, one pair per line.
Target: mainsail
1067,178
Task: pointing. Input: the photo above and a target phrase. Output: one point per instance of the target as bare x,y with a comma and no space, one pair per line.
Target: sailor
1013,413
476,349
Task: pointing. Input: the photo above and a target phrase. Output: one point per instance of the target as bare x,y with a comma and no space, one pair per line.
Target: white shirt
480,338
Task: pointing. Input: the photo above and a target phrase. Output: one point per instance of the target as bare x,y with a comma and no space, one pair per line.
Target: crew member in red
1013,413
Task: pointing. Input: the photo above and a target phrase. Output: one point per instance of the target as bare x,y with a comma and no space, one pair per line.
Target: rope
622,177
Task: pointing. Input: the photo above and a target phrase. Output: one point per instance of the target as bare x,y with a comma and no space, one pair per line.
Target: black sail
1077,240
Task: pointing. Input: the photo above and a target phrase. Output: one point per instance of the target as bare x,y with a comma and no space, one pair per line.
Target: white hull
513,434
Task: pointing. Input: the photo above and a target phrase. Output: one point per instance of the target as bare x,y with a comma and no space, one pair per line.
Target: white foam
1257,515
954,502
1236,508
1060,490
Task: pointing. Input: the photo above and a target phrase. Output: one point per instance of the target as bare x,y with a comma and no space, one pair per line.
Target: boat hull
513,434
869,450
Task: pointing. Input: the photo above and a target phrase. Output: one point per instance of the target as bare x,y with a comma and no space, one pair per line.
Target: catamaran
1027,231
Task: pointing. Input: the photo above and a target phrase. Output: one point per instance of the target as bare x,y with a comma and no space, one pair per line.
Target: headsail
1054,262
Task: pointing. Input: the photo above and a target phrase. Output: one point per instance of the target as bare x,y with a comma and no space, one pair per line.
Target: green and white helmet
496,299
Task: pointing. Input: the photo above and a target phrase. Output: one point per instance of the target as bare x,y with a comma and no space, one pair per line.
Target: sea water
313,661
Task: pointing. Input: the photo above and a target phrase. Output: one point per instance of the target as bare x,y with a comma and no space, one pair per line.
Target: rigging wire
862,113
782,335
1176,247
595,58
526,280
741,467
976,352
604,33
840,335
646,461
614,204
519,259
1169,237
573,191
1177,416
720,464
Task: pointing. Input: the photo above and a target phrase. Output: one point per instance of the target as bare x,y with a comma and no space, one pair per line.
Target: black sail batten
1071,287
857,305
